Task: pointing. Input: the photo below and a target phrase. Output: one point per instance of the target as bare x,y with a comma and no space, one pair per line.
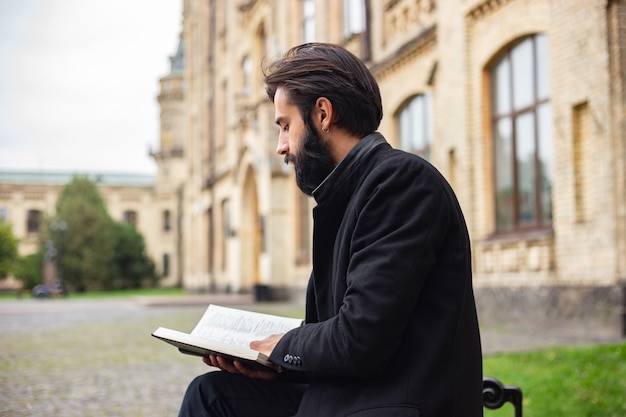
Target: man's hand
264,346
237,367
267,345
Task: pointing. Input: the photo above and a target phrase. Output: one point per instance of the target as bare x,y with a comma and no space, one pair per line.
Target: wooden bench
496,394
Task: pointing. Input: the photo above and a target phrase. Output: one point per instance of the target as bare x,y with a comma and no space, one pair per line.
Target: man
391,327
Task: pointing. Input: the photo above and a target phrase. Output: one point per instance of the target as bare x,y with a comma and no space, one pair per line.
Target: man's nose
283,146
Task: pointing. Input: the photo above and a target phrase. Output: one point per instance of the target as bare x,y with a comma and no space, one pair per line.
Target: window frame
508,218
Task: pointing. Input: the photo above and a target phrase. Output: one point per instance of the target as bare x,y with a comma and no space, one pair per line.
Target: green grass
566,381
128,293
107,294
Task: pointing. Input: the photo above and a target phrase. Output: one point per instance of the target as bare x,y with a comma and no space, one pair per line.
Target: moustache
290,158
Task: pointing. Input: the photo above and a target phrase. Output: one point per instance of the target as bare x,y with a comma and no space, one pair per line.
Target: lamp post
58,229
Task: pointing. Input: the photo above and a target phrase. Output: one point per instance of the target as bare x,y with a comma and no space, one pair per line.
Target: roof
177,61
51,177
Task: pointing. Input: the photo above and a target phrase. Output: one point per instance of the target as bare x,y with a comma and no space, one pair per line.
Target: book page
239,327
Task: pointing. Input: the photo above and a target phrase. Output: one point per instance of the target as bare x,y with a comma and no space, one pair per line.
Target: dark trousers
221,394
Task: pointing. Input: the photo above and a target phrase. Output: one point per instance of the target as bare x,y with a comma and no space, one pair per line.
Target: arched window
32,221
521,123
415,125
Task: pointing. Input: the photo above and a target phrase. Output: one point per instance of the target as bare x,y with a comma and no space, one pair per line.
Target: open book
228,332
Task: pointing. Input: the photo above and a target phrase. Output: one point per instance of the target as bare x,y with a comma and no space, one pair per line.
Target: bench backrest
496,394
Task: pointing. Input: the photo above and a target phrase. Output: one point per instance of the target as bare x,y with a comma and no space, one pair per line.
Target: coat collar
348,166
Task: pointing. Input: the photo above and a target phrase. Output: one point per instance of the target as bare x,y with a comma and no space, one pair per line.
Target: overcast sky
79,80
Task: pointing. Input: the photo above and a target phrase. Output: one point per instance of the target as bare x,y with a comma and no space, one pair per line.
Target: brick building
27,197
152,204
520,104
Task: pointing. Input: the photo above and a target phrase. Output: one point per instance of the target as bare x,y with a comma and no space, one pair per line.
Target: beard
312,162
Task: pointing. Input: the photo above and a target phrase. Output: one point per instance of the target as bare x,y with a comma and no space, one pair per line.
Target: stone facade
242,224
246,220
130,198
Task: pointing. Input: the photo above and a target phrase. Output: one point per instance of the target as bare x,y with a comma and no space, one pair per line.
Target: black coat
391,327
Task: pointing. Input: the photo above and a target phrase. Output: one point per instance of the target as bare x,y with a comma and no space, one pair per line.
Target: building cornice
406,53
63,177
485,9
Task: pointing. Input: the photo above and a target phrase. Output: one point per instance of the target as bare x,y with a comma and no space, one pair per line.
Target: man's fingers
254,373
237,367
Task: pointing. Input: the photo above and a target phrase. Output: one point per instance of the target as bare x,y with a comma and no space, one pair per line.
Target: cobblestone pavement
75,358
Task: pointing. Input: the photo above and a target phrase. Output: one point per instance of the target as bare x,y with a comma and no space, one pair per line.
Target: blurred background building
519,103
152,204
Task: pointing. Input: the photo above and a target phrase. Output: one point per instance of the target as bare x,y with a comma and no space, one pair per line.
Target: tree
8,250
28,269
92,250
134,267
86,248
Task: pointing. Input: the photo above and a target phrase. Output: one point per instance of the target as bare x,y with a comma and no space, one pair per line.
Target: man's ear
323,113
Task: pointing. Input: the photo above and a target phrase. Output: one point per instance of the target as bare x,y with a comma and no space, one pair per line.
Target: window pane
353,17
246,70
415,126
130,217
166,265
406,131
308,12
522,61
504,174
525,156
32,221
501,88
543,67
546,158
4,215
166,220
417,115
427,127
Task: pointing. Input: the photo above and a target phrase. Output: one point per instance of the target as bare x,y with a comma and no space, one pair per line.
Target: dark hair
314,70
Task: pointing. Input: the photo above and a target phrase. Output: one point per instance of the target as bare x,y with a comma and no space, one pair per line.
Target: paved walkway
76,358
